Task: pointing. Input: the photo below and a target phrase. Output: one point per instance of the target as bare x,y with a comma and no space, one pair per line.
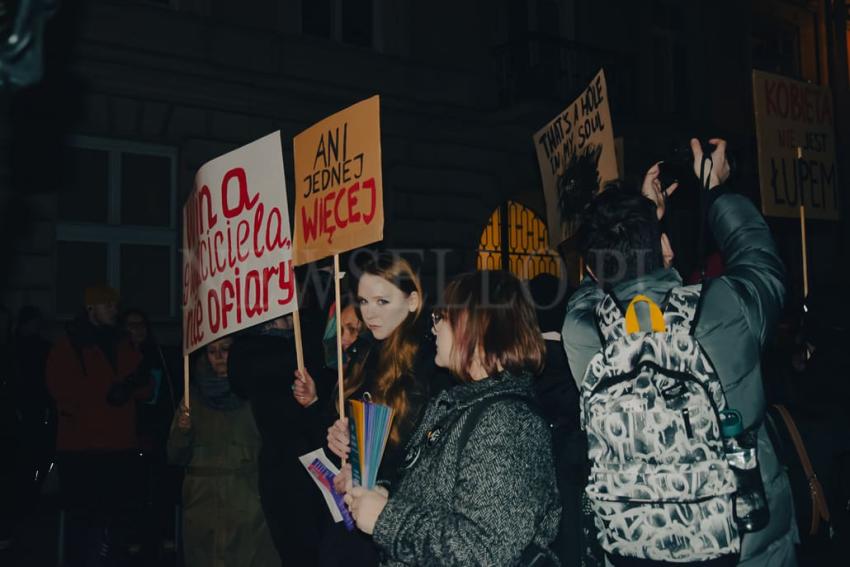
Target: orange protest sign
339,204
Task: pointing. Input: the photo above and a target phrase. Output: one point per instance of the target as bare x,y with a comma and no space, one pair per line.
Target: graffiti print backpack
659,485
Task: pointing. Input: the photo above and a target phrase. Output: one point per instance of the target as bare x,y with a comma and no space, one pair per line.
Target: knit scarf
215,393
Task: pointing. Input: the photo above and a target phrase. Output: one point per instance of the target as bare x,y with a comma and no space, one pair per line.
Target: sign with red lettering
237,246
577,156
793,116
339,203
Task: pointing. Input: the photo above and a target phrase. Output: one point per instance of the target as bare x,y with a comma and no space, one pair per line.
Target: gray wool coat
481,507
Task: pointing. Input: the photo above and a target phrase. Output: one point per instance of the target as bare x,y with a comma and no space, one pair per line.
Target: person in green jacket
218,442
621,245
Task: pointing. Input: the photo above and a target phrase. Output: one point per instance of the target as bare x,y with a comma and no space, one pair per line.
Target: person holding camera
726,321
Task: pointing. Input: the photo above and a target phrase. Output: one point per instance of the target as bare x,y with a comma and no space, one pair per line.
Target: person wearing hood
218,443
92,376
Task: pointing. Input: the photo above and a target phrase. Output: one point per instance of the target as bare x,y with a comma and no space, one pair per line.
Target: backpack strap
473,414
681,309
820,508
533,555
610,319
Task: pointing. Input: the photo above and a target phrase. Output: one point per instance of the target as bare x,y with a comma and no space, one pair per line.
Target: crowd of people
529,428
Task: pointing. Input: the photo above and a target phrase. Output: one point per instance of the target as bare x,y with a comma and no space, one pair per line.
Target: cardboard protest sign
576,155
237,246
339,203
790,115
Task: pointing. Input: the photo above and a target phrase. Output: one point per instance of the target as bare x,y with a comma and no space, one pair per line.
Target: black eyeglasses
436,318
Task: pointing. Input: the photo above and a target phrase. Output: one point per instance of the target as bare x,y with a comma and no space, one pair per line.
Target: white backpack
659,485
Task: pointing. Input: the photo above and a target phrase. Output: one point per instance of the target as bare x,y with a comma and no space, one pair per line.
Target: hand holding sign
339,204
304,388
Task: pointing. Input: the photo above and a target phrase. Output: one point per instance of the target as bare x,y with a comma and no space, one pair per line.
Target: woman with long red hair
397,370
479,484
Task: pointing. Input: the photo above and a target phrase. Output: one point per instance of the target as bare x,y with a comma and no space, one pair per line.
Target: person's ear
413,301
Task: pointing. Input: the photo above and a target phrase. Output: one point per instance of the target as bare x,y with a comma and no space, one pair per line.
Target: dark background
97,158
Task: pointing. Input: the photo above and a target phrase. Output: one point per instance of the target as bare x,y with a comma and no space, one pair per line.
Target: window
118,225
527,242
346,21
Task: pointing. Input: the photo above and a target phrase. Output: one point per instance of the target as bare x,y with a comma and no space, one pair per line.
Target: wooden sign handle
339,372
805,253
186,380
803,226
299,347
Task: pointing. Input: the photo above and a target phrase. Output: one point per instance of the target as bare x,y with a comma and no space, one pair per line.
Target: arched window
524,239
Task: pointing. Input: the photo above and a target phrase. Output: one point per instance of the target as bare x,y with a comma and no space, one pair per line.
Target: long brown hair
492,321
397,354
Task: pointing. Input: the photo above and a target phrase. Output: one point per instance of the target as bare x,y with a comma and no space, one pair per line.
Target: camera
679,164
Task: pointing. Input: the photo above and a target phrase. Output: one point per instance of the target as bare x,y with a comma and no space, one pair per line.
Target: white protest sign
237,244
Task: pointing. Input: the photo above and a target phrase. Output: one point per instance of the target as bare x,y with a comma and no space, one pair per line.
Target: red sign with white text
237,245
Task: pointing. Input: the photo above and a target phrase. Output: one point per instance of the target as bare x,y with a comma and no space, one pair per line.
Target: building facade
137,94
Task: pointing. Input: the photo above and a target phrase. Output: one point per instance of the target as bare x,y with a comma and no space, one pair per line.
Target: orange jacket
79,376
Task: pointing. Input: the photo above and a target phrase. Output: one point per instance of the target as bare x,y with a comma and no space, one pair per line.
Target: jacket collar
468,393
654,285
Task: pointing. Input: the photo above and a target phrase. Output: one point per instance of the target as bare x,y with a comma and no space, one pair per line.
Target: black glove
119,393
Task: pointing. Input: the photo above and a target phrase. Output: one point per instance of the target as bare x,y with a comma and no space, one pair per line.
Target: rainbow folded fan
370,425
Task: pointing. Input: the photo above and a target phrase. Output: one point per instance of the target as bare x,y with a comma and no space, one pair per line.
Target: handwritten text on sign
572,150
790,115
339,202
237,248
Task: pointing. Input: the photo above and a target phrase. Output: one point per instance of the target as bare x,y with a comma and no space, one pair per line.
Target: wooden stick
186,380
805,255
339,376
803,224
296,322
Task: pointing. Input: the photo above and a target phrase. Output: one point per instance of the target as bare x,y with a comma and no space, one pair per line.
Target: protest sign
339,203
795,119
576,155
237,246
